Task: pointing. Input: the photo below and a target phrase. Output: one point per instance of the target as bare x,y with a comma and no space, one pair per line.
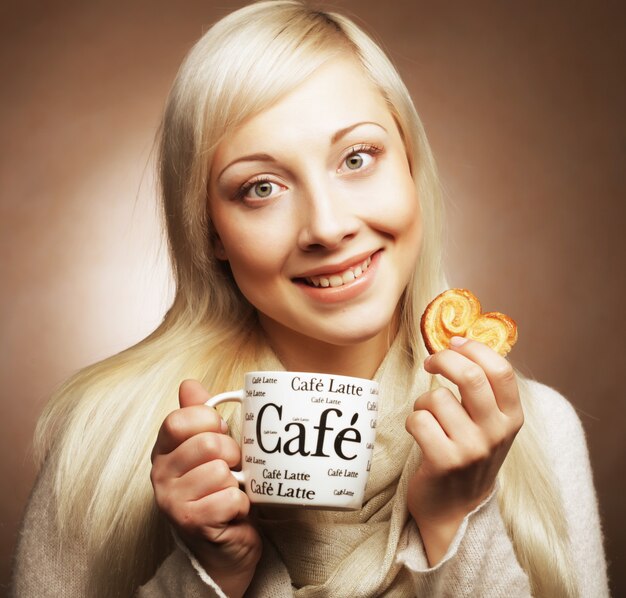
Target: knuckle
209,446
504,372
185,517
243,502
454,461
475,450
512,422
473,376
517,417
159,480
419,402
234,504
164,502
500,438
230,449
155,476
173,424
215,420
423,429
221,471
234,496
212,534
417,421
481,452
440,394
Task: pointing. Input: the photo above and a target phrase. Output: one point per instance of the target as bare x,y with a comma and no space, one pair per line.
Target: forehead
337,95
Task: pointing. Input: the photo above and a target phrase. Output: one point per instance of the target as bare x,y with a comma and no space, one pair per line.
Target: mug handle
224,397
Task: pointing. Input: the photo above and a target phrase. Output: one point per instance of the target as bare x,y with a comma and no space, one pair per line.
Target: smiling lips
338,279
341,285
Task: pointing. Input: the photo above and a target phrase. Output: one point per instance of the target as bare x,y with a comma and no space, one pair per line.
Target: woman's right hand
195,489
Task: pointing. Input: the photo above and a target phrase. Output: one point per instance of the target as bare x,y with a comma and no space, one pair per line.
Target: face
316,211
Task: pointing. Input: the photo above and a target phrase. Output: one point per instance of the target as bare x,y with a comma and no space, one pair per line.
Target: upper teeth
340,278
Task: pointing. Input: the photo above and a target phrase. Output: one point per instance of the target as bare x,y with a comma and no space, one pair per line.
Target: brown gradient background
524,107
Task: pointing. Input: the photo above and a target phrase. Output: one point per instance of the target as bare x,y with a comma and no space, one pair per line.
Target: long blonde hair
101,424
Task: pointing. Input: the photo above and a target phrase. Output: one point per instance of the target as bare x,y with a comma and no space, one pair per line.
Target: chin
349,331
351,336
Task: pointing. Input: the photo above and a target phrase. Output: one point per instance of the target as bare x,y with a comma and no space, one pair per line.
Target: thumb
191,392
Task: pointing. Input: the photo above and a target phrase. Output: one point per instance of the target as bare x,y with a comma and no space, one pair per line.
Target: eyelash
366,148
243,190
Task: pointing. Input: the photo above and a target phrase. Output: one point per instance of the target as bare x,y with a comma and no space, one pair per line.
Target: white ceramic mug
307,438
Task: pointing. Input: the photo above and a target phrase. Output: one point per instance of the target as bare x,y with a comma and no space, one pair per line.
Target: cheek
251,258
409,234
252,268
400,211
255,250
403,223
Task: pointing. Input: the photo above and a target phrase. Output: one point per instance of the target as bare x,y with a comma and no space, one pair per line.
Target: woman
291,153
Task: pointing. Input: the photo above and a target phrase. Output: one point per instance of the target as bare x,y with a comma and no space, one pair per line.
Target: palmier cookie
457,312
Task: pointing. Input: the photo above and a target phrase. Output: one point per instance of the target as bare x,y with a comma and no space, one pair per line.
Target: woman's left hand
463,443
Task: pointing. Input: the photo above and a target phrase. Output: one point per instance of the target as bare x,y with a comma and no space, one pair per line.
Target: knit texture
376,551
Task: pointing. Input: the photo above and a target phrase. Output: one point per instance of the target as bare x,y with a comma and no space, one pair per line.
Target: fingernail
427,359
223,425
457,341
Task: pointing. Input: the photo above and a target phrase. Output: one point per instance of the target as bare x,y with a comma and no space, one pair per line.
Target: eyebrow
250,158
343,132
337,135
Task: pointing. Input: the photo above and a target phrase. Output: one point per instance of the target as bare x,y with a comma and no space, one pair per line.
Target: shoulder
561,433
549,400
560,428
552,407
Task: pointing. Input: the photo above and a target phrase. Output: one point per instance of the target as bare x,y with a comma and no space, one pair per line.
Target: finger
238,538
212,513
221,508
476,393
201,448
183,424
206,479
191,392
499,372
432,440
449,413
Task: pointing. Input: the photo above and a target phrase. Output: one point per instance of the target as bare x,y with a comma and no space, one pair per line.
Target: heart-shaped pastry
457,312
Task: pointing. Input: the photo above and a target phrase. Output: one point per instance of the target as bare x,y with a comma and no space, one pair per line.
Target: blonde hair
101,424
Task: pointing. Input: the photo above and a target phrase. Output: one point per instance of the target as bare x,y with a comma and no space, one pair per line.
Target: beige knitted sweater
480,561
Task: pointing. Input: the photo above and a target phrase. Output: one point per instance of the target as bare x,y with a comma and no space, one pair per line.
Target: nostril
326,241
326,223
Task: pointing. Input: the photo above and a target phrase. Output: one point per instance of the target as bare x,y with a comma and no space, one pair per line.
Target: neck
300,353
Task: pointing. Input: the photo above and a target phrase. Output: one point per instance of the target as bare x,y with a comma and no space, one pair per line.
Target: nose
327,220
